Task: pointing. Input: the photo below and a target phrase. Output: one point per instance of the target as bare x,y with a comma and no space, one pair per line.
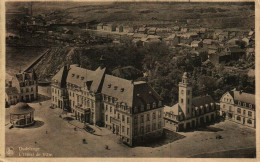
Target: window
31,89
188,92
249,121
106,117
239,103
127,132
114,111
244,112
118,116
250,105
88,104
123,118
142,130
238,118
148,117
136,120
159,114
160,104
159,125
188,101
21,90
148,106
154,105
249,113
123,129
110,109
244,104
154,115
110,119
136,131
128,120
73,103
142,119
56,92
147,128
238,110
154,126
181,100
27,90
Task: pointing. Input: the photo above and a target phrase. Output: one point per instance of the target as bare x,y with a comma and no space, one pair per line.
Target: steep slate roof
244,97
126,91
21,77
79,76
11,91
202,100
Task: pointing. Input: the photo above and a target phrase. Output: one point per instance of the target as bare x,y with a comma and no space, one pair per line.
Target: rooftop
21,108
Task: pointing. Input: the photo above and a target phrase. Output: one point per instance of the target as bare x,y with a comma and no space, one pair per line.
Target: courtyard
52,136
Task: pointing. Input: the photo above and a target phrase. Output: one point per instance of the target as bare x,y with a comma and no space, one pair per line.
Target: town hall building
189,112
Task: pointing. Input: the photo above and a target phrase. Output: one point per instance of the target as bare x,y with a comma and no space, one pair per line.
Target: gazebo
21,115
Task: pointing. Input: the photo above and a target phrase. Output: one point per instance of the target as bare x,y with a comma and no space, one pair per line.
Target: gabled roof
11,91
202,100
244,97
80,76
137,93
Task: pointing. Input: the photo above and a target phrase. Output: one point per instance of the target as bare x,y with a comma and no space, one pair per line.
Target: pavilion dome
21,108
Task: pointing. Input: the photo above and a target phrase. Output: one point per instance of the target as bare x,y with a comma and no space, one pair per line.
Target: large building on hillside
22,87
239,107
132,110
189,112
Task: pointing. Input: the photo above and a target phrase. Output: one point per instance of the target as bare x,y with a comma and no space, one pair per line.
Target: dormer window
148,106
142,107
122,89
160,104
109,85
154,105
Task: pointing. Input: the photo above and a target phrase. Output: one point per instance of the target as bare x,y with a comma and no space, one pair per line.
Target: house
172,40
207,42
100,26
216,33
142,30
12,96
152,31
187,38
27,85
239,107
119,29
128,29
184,30
246,40
176,28
189,112
196,44
223,36
235,52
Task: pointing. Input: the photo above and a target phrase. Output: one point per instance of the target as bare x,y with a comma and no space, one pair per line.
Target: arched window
249,121
238,118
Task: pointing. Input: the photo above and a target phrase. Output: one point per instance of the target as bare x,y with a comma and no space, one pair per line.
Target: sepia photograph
130,79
